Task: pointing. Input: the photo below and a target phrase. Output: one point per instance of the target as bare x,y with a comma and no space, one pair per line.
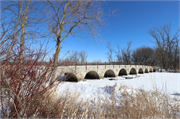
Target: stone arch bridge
78,73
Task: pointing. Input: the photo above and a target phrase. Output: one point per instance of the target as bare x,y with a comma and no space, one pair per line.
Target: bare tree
73,57
136,56
20,23
77,57
165,42
66,17
175,54
110,52
18,19
143,55
83,56
126,53
9,30
118,54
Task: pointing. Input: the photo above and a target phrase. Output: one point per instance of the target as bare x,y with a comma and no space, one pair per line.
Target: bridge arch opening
122,72
109,73
146,70
92,75
150,70
132,71
69,77
154,70
140,71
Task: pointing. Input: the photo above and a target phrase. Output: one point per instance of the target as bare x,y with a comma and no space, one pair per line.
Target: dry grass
148,104
137,103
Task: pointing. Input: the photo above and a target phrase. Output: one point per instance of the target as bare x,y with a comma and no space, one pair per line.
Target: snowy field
90,89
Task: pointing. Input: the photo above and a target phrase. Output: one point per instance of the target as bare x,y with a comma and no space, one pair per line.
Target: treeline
141,55
164,54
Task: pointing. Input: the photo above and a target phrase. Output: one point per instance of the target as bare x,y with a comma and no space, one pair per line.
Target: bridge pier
101,76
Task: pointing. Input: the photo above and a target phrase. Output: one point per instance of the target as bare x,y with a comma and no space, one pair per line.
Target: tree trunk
23,27
56,56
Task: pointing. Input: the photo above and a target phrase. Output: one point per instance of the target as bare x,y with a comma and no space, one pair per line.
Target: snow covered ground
90,89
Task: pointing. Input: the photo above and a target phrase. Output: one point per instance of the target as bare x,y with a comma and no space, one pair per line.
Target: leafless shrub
21,83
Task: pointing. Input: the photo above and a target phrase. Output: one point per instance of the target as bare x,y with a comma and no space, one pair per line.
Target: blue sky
132,23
